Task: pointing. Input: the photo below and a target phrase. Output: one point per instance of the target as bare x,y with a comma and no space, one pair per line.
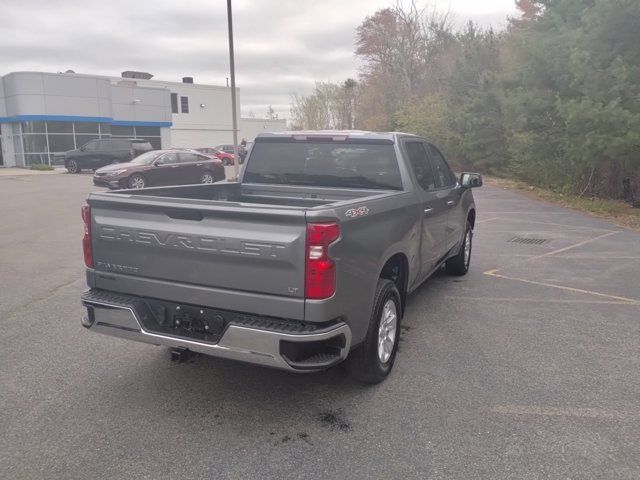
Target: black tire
207,177
137,181
73,166
459,265
364,363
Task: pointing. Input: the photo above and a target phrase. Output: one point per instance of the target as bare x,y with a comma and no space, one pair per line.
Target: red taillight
320,274
86,241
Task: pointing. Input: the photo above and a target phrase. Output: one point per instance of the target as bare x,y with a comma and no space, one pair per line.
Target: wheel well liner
471,217
396,269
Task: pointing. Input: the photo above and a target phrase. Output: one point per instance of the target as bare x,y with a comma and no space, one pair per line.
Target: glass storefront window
35,143
148,131
60,143
154,141
60,127
83,139
33,127
86,127
105,129
36,158
121,130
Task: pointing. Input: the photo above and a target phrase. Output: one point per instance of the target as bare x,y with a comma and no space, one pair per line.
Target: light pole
234,119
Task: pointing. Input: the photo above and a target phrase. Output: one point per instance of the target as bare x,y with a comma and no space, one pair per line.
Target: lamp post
234,119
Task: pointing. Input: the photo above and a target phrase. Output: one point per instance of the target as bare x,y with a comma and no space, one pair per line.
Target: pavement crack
41,298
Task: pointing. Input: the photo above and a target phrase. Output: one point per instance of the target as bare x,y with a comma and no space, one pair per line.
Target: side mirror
470,180
156,163
81,148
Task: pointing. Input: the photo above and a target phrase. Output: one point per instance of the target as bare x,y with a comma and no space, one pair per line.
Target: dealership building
42,114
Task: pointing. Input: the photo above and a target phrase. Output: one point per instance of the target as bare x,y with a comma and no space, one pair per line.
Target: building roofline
113,78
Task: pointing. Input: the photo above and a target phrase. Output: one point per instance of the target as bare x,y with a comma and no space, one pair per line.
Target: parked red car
227,158
161,167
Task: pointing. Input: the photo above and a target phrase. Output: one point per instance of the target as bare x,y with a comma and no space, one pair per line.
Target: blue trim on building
74,118
131,123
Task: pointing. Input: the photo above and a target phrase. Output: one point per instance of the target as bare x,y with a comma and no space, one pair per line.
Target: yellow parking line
555,252
632,301
537,300
557,224
580,412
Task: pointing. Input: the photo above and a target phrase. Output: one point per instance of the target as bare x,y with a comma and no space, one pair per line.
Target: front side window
420,164
443,175
184,104
169,158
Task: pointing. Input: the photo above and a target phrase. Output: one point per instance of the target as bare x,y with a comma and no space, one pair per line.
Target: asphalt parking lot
527,368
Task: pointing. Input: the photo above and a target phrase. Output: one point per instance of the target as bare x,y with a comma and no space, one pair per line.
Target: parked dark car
161,167
227,158
228,148
100,152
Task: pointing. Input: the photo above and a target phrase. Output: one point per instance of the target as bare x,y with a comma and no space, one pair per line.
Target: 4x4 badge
357,212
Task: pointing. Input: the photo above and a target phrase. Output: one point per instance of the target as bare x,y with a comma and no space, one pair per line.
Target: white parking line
579,412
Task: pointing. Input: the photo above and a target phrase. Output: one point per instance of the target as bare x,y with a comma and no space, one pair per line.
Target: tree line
553,99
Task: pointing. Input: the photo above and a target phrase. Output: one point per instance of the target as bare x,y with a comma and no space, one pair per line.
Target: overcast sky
282,46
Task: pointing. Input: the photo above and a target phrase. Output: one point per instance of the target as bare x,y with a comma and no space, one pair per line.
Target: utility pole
233,92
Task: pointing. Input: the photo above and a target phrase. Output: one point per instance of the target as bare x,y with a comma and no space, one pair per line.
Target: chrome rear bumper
117,317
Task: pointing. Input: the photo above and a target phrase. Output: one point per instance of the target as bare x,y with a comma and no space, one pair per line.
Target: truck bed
258,194
214,244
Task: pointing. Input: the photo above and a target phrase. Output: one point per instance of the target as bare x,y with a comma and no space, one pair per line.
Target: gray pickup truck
304,262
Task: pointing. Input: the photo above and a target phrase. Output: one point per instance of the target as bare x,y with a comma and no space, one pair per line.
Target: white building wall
208,122
250,127
8,156
165,137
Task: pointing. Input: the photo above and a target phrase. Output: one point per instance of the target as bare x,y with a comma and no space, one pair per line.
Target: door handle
174,166
450,202
198,164
428,211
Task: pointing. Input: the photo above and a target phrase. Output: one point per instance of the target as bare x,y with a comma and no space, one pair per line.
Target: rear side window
324,164
189,157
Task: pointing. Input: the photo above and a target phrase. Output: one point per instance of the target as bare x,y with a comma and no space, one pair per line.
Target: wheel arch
144,177
396,269
471,217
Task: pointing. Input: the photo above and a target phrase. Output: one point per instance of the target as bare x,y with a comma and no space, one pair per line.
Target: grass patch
616,211
41,166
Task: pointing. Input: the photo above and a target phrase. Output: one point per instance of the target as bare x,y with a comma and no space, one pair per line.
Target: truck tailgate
239,249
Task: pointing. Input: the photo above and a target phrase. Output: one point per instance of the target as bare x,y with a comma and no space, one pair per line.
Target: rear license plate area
188,321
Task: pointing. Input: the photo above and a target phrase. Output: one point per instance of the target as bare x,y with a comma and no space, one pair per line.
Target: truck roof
336,133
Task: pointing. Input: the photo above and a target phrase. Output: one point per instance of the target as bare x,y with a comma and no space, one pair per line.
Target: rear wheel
459,265
73,167
137,181
373,360
206,177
